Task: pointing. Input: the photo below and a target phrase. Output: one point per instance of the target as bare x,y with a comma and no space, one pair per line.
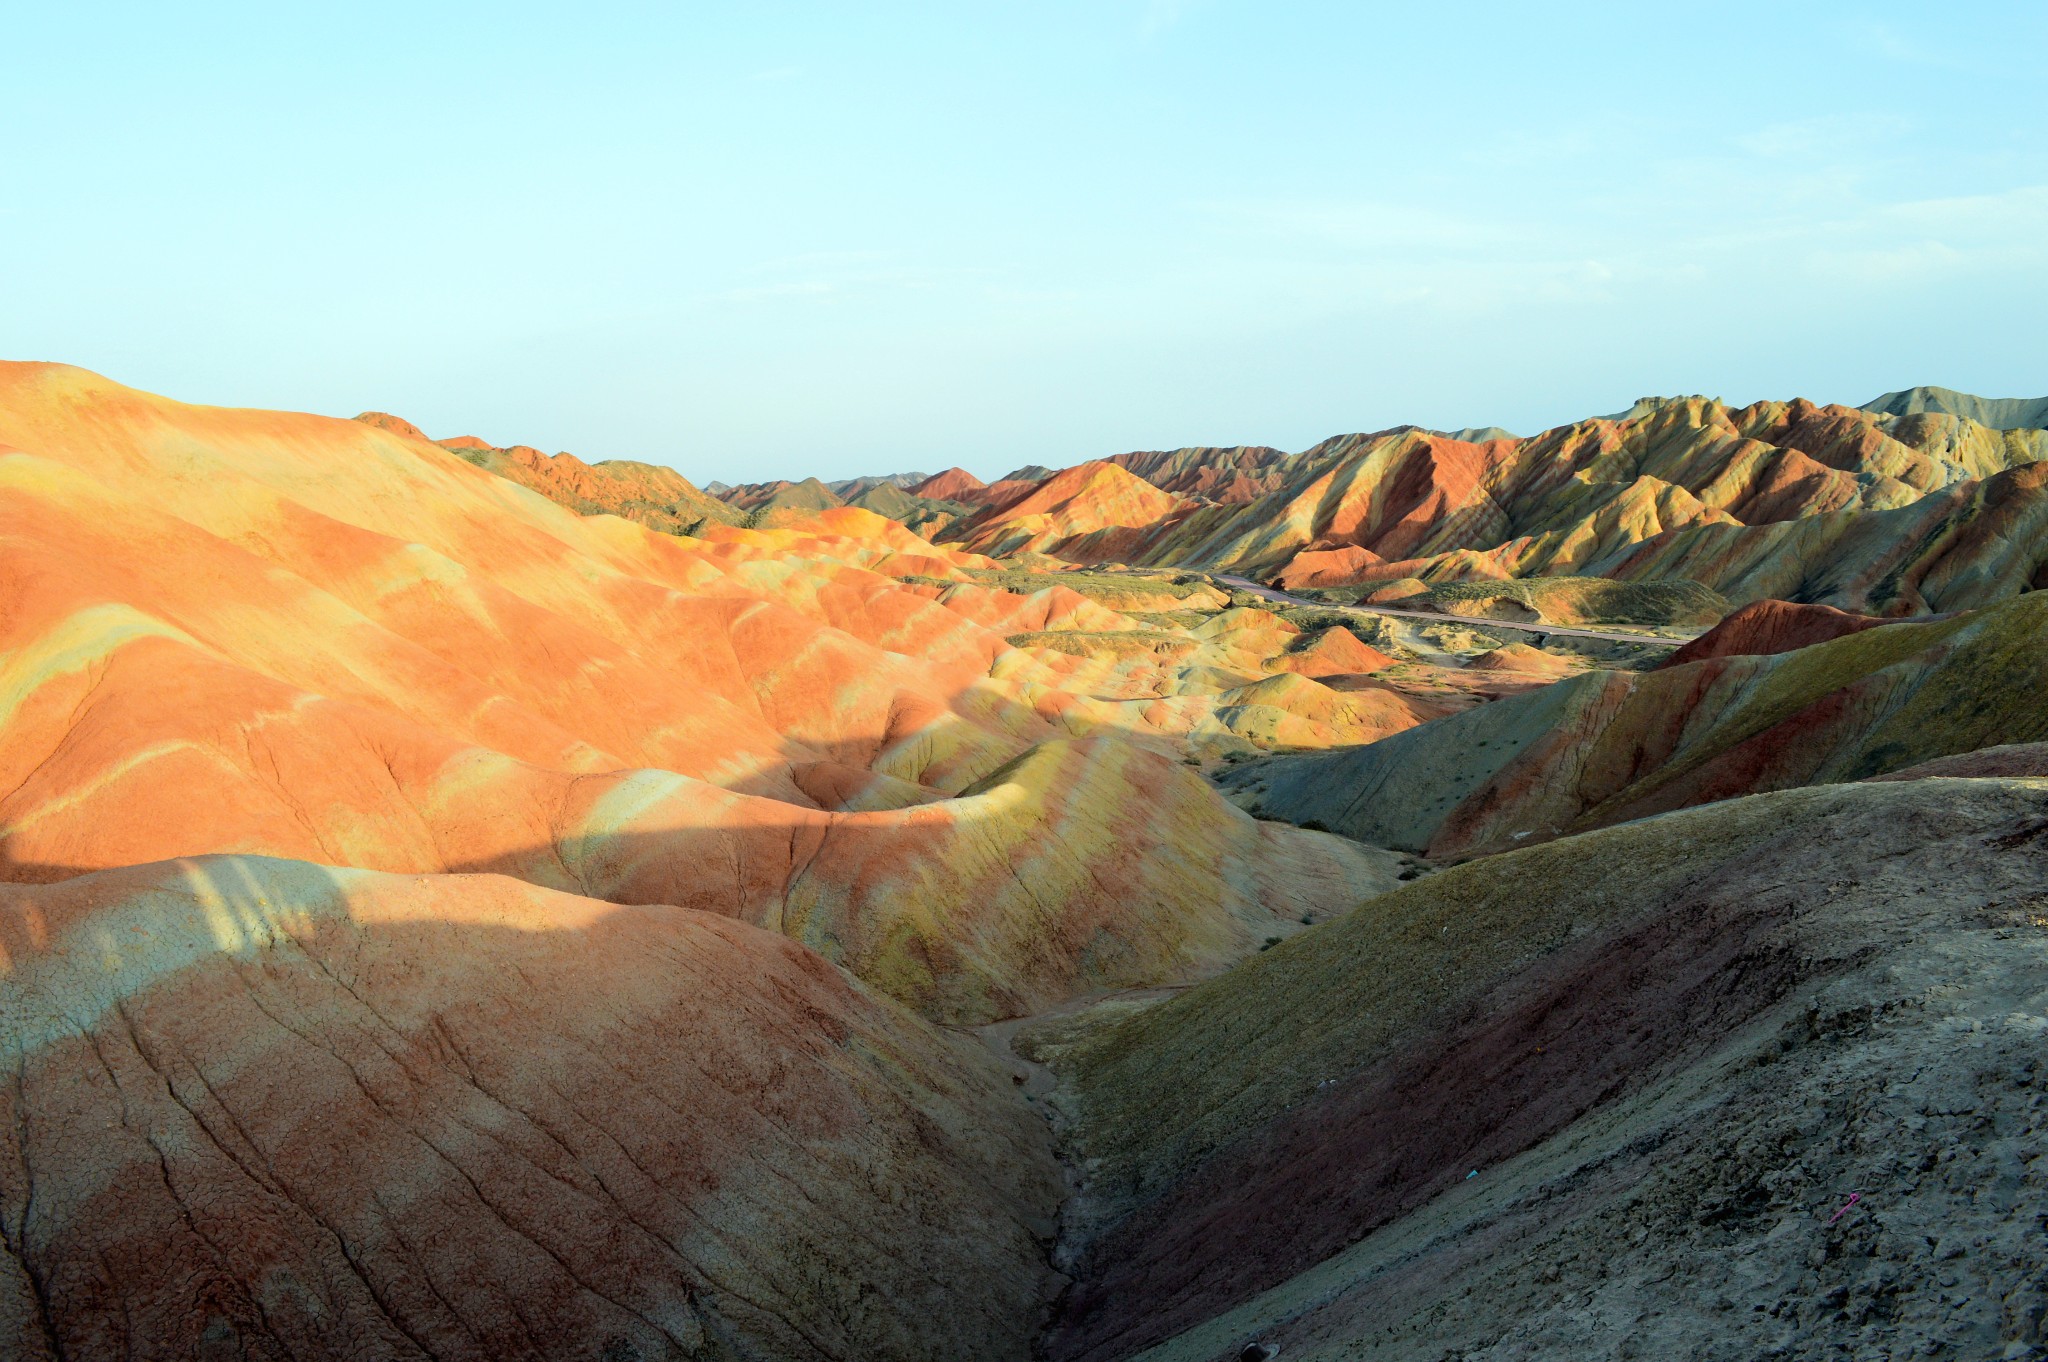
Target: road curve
1272,594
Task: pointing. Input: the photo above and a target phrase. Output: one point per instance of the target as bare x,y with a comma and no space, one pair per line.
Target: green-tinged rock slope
1603,747
1603,1094
2000,413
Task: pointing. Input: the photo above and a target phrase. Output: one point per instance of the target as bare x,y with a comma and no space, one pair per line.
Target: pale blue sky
787,238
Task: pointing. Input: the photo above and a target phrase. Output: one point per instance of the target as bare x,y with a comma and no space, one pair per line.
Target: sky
781,239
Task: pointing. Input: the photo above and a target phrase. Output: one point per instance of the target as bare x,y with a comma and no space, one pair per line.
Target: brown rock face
1328,567
955,484
397,425
1334,652
1762,628
1095,512
1001,493
1520,657
269,1110
647,494
1235,476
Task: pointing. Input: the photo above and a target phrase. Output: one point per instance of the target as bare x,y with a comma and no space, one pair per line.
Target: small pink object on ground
1854,1197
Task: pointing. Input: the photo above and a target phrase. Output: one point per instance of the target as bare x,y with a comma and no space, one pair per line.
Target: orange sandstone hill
955,484
263,1108
443,924
369,653
1093,512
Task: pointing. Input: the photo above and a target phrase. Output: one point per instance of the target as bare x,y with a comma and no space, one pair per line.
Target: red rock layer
1334,652
955,484
1327,567
1100,502
1765,627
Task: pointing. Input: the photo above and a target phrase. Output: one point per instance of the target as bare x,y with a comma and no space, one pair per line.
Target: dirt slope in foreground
263,1110
1671,1050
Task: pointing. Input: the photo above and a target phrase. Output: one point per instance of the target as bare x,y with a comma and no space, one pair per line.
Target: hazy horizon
803,242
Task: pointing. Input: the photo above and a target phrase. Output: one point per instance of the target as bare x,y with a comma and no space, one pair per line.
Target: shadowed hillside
327,1113
1604,1094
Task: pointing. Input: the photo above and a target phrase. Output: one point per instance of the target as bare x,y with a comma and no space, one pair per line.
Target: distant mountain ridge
1478,435
1234,475
769,503
1924,499
1999,413
853,487
648,494
1896,514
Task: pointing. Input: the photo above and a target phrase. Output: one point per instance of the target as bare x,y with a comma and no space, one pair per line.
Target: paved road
1244,584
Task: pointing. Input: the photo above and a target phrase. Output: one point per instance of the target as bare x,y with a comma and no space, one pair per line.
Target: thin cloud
1828,135
1882,40
795,288
1161,15
2020,213
855,272
1919,263
1362,225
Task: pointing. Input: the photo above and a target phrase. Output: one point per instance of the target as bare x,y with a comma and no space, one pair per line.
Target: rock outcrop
647,494
1234,476
1088,513
955,484
1762,628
